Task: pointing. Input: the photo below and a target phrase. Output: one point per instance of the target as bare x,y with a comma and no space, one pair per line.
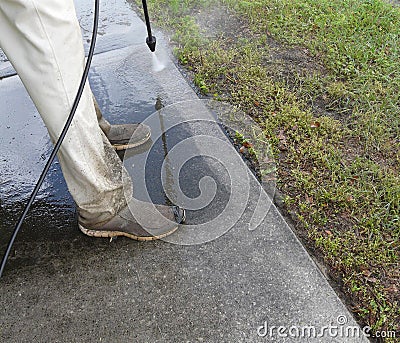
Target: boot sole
110,234
120,147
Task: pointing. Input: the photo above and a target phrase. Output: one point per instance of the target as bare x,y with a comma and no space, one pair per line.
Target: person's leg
43,41
105,126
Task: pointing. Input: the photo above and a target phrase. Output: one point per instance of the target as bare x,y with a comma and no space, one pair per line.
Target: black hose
60,139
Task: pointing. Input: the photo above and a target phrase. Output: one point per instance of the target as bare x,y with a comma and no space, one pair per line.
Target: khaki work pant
43,41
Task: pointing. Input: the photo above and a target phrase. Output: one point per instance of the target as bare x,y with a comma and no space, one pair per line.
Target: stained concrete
61,286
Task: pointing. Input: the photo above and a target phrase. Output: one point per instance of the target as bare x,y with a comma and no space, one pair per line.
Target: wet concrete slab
61,286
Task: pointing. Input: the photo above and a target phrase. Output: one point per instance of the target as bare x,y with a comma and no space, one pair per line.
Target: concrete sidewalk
238,286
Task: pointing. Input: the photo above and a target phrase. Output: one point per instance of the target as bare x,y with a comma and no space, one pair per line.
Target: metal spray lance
150,40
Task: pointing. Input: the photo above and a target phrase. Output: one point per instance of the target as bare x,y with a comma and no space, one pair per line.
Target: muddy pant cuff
98,215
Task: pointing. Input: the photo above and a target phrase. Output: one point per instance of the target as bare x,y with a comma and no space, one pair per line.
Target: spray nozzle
151,43
150,40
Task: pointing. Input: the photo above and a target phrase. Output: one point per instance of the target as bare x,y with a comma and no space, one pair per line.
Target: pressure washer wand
150,40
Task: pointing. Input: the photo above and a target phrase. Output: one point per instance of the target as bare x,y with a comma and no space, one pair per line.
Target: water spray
151,41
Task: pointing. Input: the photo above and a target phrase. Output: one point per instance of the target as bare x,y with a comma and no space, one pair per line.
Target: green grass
358,41
338,168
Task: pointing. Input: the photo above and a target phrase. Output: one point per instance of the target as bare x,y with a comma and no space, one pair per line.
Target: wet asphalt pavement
61,286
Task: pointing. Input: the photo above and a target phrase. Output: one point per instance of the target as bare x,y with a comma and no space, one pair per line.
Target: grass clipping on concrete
322,79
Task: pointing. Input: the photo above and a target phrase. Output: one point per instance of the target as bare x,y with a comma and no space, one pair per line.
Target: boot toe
179,214
125,136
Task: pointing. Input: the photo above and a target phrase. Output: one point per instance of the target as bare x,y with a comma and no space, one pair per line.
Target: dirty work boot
139,220
127,136
122,136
